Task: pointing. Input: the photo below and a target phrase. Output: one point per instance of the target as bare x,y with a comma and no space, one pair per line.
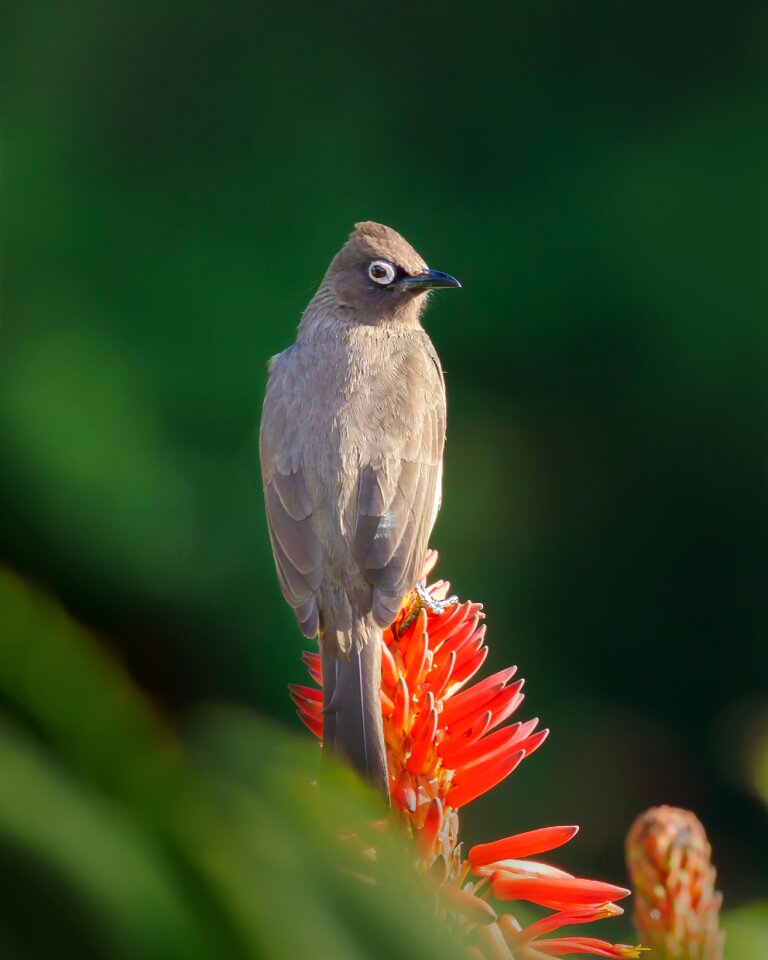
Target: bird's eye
381,272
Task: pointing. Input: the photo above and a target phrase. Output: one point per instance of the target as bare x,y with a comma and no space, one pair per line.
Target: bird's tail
352,705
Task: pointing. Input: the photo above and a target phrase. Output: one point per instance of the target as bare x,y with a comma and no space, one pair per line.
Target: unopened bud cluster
676,905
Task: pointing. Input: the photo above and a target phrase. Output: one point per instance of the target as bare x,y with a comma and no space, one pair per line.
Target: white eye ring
381,272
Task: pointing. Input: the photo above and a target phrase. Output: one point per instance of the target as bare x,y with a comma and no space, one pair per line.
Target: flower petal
389,671
423,708
586,945
305,693
521,845
565,918
459,635
462,674
421,747
426,837
458,752
313,722
401,716
460,704
415,657
312,662
387,705
562,890
443,626
504,702
482,780
404,793
449,746
521,868
441,674
430,562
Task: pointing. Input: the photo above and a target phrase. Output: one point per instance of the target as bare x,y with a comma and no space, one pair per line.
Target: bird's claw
417,600
435,607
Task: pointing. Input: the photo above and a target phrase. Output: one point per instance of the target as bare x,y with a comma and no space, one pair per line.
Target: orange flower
446,746
677,907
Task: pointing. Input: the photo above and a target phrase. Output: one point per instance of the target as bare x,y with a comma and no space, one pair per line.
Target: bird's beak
428,280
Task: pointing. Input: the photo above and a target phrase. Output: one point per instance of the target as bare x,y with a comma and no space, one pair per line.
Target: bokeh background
175,179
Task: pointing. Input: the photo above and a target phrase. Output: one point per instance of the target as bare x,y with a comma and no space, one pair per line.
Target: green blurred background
175,179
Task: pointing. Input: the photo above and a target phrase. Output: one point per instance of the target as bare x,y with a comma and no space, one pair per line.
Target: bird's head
378,278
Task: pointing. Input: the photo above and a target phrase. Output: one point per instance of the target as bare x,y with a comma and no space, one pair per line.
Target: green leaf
134,846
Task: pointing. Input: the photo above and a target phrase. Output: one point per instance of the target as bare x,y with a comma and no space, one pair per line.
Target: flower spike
677,908
448,742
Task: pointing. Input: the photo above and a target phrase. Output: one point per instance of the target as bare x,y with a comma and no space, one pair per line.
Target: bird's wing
400,478
298,556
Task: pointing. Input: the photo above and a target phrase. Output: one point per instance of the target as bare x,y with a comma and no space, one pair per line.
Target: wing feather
297,550
399,488
293,493
296,537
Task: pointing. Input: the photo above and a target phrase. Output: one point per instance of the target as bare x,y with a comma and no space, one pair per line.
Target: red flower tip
424,710
482,780
444,627
438,679
401,714
313,722
415,658
388,666
300,694
548,890
521,845
461,750
568,946
464,641
458,752
430,562
466,670
517,938
425,841
387,705
463,703
312,663
418,758
530,744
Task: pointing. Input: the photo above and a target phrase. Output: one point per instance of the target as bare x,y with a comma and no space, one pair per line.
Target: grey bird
352,436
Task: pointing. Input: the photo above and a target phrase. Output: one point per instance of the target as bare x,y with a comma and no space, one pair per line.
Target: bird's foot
435,607
417,600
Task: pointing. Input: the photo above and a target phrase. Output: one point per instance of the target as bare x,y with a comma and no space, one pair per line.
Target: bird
351,447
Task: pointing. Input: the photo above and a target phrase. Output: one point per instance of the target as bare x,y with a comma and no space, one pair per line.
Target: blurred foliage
747,932
117,843
174,181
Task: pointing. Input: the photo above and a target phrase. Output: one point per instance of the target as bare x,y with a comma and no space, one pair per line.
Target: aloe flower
448,742
677,909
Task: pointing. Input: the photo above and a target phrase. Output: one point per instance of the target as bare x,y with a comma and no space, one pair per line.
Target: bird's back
358,413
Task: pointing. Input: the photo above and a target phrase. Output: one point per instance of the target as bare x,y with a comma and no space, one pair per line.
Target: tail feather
352,709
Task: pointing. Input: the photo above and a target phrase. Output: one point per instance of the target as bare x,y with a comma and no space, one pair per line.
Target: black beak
429,280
